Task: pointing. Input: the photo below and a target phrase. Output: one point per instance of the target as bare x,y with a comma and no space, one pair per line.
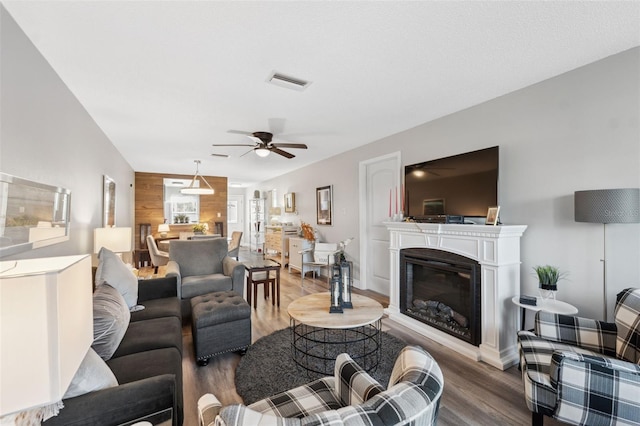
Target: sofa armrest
353,385
585,333
234,269
173,270
157,288
592,387
123,404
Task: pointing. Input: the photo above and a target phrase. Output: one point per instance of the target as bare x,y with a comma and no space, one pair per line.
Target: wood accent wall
149,191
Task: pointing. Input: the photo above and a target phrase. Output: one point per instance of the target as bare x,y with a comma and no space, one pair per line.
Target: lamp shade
46,328
608,205
163,227
118,240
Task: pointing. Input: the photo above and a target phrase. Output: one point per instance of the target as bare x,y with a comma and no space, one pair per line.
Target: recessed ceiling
165,80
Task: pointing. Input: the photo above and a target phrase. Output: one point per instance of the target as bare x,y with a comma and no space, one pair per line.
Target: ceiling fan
263,144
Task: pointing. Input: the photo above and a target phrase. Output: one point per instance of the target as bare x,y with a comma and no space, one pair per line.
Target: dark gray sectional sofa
147,365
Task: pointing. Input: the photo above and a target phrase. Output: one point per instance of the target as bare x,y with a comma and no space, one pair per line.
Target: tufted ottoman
220,322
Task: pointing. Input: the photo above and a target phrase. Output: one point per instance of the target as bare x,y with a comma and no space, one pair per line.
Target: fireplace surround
496,249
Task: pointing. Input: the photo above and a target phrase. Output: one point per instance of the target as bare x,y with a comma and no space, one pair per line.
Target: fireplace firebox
442,290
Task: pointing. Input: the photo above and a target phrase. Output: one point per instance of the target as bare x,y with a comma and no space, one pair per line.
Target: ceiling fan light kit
263,144
262,152
192,189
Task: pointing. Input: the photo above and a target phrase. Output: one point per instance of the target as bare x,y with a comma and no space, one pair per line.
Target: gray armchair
201,267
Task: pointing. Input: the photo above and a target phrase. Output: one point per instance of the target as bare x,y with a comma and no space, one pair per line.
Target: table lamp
46,328
163,228
118,240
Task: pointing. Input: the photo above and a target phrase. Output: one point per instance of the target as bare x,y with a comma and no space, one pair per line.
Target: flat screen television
463,185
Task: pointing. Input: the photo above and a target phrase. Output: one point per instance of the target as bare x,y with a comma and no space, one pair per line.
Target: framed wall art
109,201
290,202
324,205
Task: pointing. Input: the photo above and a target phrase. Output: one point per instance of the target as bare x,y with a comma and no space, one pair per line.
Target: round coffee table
318,336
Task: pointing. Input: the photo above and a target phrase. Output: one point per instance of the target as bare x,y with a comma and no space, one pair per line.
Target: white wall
580,130
47,136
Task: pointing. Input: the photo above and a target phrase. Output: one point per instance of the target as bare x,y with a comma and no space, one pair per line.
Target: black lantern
336,289
347,280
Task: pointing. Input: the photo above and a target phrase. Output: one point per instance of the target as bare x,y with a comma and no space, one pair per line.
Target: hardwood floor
474,393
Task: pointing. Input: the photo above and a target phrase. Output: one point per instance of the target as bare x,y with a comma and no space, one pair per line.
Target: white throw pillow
112,270
110,320
93,375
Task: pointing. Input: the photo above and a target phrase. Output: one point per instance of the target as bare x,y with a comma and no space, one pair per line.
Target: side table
549,305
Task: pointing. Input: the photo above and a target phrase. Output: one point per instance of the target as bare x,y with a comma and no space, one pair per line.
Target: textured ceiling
165,80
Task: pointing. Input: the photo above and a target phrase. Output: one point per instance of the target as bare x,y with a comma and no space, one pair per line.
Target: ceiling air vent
286,81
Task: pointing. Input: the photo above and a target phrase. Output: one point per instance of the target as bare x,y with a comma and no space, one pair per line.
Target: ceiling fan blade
281,152
231,144
255,139
252,149
289,145
240,132
220,155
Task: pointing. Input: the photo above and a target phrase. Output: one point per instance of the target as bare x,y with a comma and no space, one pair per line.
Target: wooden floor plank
474,394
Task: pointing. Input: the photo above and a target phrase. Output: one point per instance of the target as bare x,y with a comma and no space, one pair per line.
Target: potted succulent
548,276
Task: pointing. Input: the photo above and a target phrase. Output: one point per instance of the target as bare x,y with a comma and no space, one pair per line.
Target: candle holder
347,281
336,290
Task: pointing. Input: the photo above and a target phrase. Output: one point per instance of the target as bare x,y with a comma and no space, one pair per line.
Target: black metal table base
315,349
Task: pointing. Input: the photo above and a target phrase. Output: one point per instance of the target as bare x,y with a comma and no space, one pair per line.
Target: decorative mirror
180,208
32,214
109,194
290,202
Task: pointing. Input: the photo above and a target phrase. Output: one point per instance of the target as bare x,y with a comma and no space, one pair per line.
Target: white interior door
378,178
235,214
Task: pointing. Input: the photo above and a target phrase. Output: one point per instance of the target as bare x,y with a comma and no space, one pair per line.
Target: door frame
363,203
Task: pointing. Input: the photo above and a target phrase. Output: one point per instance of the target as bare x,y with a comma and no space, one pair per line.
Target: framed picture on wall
290,202
109,194
324,205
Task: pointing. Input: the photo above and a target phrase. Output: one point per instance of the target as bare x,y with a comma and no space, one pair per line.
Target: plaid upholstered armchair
350,397
582,371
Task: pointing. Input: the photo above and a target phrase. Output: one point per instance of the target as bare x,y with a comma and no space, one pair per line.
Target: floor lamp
607,206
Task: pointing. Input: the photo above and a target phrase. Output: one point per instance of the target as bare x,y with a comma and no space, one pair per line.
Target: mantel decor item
492,215
324,205
607,206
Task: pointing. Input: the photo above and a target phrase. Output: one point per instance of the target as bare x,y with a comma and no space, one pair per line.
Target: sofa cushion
158,308
138,366
199,257
110,320
203,284
156,333
112,270
93,374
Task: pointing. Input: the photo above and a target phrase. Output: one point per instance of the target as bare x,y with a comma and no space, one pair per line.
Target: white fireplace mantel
497,250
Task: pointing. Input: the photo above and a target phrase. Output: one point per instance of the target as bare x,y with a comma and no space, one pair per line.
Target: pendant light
192,189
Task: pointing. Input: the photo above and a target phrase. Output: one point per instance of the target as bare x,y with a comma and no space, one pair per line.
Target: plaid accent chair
350,397
582,371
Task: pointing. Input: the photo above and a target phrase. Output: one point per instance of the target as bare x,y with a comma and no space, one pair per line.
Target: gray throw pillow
110,320
93,375
112,269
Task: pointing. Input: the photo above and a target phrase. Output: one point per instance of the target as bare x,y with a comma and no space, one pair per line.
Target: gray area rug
268,367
